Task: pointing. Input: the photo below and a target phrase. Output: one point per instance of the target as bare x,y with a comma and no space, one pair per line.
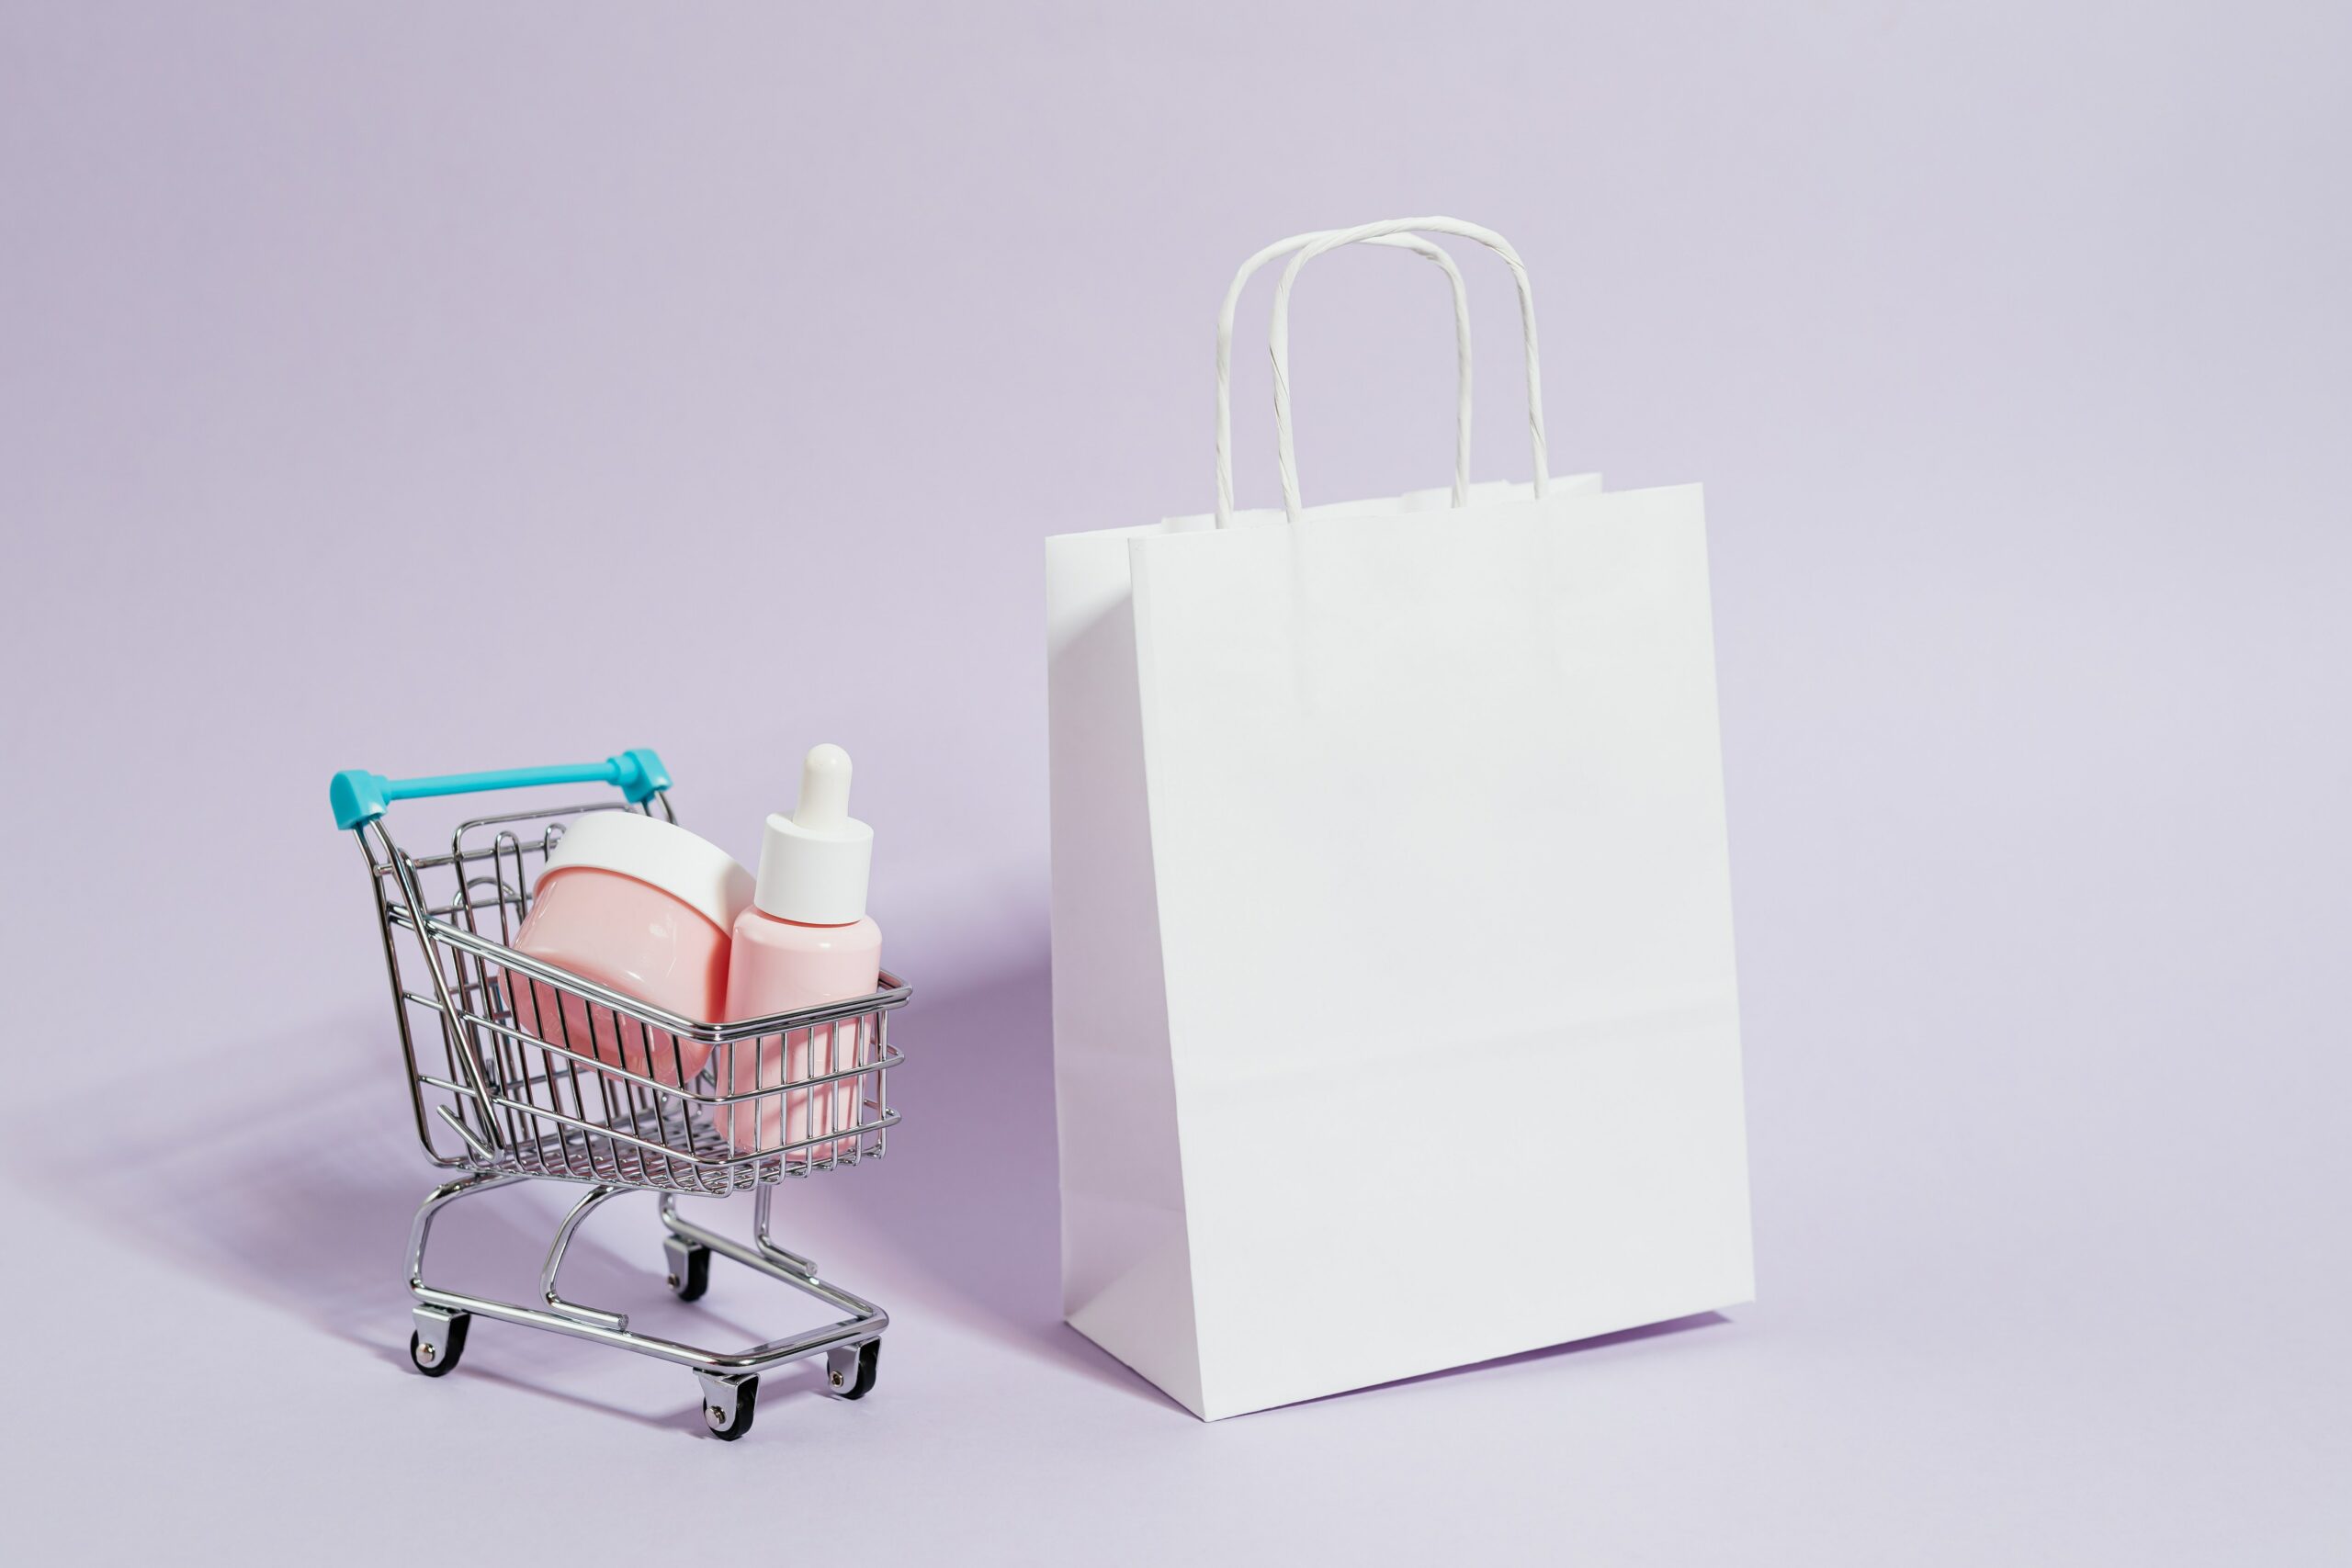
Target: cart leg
589,1202
763,1256
680,1233
439,1337
768,1248
421,1230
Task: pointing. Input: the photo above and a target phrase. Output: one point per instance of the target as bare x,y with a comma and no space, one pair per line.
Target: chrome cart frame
542,1074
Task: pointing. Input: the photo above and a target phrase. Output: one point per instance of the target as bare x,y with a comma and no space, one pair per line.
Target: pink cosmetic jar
643,908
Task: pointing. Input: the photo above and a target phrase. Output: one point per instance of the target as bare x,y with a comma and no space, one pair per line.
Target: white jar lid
686,866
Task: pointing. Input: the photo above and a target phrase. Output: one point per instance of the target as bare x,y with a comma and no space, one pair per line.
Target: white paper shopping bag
1395,1017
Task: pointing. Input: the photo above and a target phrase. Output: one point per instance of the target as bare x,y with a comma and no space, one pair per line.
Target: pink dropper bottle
803,940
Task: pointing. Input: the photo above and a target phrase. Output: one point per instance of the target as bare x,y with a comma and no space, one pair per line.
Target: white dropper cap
814,864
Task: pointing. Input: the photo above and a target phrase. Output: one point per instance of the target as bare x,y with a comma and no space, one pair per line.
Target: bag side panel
1127,1275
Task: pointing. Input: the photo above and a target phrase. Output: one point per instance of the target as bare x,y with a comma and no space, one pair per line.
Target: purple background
442,387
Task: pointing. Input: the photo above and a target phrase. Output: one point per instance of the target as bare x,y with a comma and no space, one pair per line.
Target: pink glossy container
783,966
630,902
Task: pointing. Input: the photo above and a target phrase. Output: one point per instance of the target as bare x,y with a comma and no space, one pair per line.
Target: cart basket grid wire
531,1070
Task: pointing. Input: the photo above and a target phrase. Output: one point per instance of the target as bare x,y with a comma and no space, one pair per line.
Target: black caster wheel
857,1384
440,1361
689,1269
730,1420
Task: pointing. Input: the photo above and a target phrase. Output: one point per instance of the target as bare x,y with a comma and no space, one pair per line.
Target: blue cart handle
359,796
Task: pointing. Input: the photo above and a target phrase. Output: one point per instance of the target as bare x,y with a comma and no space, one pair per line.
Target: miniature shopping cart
501,1104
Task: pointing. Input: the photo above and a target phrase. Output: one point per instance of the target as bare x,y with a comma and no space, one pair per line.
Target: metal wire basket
518,1069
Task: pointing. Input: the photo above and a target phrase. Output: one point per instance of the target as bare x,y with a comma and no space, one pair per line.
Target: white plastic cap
814,864
689,868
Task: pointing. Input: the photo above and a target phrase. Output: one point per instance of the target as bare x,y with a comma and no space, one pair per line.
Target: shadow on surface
257,1170
264,1168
